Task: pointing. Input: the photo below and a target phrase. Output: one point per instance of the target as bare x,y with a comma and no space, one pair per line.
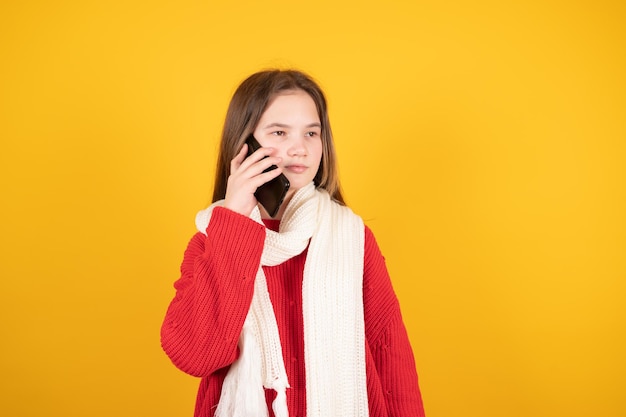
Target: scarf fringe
245,396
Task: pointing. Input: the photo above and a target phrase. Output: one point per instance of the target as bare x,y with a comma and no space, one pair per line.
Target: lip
296,169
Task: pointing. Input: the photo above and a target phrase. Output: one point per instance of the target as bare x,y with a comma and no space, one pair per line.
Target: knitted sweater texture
203,322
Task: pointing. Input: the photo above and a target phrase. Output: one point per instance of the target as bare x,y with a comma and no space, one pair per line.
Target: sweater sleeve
387,337
202,325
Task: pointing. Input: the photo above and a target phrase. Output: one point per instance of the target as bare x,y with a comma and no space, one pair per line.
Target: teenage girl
293,315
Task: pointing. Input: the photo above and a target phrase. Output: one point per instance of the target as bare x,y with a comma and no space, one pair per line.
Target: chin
296,185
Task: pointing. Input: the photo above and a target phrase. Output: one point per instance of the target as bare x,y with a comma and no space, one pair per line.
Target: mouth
296,169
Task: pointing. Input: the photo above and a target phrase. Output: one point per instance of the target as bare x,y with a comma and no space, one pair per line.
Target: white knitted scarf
332,304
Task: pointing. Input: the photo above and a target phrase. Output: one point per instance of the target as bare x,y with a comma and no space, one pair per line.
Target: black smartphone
272,193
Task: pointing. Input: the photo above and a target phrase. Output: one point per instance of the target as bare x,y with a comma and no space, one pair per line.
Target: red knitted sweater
203,322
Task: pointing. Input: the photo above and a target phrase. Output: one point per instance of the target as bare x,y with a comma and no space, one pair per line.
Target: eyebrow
282,125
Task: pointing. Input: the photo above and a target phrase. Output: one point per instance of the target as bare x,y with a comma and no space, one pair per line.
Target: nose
297,146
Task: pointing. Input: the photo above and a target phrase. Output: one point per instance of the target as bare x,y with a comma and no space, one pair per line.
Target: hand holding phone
271,194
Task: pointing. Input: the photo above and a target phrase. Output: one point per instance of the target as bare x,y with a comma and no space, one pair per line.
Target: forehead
291,103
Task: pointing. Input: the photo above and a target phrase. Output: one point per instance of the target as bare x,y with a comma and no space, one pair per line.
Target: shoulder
374,260
342,221
370,238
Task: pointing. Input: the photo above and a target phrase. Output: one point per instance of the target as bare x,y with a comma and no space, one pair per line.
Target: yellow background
482,141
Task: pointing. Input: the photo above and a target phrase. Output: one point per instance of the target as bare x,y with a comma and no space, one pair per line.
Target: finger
260,154
264,177
242,154
259,161
265,163
239,158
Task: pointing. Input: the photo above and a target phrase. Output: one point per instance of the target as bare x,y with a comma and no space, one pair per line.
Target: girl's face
291,125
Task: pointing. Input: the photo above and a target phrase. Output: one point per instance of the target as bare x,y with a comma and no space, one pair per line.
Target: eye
312,134
278,133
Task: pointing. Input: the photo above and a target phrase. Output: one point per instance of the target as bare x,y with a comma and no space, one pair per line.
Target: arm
202,325
387,336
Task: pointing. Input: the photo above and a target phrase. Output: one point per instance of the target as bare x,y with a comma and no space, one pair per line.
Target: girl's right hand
246,175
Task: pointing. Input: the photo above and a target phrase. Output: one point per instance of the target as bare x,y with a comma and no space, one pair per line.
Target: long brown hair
245,110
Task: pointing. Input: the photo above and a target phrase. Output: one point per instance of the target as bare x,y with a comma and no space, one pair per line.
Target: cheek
319,150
